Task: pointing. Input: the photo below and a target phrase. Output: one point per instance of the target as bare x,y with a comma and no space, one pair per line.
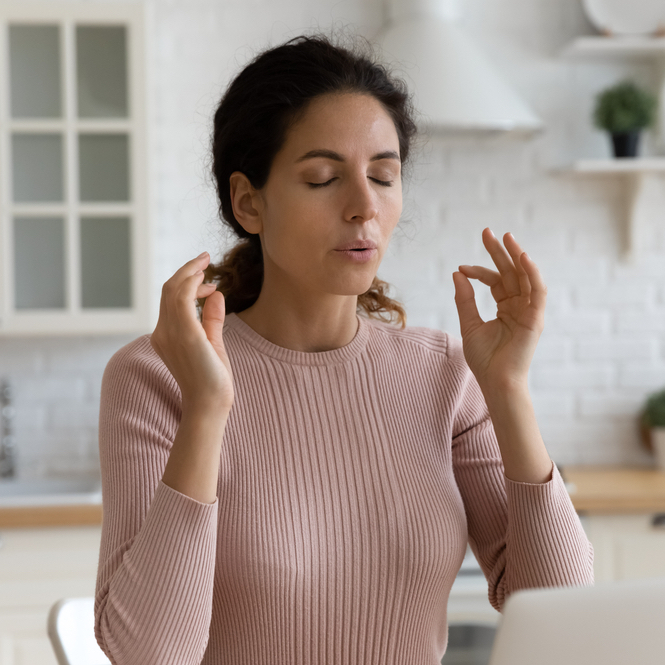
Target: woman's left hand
499,352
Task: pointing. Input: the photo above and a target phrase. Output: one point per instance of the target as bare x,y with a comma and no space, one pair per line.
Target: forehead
348,123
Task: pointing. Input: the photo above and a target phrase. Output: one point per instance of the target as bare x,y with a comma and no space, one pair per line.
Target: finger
485,275
488,277
502,261
538,287
516,252
465,300
183,300
196,263
212,320
172,285
202,293
188,269
205,287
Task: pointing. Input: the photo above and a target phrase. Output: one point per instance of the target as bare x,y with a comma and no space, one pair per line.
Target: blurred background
105,191
603,349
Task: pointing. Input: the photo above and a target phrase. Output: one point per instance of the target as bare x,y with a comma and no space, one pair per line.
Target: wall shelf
643,176
618,47
598,48
621,165
643,192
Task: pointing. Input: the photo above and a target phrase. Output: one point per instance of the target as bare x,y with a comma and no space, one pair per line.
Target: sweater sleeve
524,535
153,597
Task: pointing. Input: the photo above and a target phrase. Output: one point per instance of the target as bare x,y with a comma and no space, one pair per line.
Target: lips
357,244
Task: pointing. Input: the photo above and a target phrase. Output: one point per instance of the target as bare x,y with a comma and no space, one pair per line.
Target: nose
361,200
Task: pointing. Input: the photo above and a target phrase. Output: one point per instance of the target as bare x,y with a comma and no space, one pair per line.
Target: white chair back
71,629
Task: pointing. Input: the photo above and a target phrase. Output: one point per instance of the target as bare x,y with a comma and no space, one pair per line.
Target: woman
294,479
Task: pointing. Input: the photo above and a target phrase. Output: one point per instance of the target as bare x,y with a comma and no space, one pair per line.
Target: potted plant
624,110
653,420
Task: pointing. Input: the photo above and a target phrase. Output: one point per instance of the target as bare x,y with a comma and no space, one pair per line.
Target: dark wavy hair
249,129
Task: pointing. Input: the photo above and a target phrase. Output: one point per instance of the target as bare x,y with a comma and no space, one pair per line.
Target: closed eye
320,184
384,183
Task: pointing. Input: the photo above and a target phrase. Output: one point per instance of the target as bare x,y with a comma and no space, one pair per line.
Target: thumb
212,320
465,300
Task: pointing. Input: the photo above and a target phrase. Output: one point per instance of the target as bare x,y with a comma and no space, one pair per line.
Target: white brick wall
603,348
57,383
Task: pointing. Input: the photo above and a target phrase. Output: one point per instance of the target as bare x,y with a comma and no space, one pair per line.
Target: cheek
392,207
294,227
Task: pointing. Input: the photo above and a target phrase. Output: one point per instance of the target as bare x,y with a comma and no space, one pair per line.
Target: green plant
654,410
624,107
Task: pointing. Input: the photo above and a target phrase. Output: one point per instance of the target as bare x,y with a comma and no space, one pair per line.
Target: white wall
603,348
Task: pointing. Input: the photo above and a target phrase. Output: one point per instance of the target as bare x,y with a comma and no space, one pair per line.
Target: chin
353,287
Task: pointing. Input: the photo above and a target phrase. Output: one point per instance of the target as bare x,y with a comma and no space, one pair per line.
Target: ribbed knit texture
349,483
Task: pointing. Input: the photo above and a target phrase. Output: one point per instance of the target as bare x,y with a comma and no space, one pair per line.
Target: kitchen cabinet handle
658,521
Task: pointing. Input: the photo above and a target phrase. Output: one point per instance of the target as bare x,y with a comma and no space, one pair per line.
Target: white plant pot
658,441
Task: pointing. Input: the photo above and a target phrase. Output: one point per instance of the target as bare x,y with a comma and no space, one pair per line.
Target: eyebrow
331,154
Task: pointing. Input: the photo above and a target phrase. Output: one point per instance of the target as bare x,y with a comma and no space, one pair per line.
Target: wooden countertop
66,515
616,489
596,489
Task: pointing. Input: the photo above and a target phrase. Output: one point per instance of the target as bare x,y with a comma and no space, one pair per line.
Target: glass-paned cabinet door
73,214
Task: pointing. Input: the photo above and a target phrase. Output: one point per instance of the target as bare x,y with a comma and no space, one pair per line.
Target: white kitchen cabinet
74,236
38,566
630,546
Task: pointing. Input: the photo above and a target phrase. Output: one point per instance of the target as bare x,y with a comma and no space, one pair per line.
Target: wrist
204,409
506,390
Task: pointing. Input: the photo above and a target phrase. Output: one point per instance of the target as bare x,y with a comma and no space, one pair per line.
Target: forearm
157,552
525,458
193,465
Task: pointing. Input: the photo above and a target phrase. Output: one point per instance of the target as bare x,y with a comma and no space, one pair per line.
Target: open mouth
361,253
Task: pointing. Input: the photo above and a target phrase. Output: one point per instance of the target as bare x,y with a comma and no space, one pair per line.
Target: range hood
456,87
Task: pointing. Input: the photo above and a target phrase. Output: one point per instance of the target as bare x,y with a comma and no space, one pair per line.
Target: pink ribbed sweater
349,483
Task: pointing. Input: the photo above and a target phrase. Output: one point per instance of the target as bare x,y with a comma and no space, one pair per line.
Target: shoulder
416,339
427,352
140,404
136,356
135,371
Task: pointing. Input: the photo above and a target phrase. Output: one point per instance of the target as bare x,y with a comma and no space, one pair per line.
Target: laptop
611,623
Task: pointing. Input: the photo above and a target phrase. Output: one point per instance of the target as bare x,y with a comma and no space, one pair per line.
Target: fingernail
491,233
201,255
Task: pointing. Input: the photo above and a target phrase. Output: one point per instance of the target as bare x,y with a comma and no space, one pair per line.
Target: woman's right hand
194,351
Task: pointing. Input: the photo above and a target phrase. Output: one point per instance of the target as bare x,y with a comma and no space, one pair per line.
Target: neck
289,324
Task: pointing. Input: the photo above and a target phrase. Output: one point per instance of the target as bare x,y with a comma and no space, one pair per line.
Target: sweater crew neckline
332,357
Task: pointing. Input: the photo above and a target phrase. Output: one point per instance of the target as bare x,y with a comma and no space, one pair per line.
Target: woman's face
336,180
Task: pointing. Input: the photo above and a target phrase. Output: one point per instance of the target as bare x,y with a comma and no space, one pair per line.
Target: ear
246,202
